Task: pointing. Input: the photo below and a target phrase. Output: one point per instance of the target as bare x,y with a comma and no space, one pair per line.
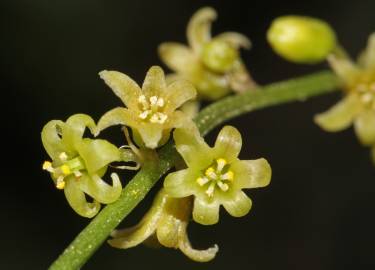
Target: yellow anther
63,156
210,172
144,114
202,181
220,164
223,186
47,165
65,169
60,184
210,190
77,174
228,176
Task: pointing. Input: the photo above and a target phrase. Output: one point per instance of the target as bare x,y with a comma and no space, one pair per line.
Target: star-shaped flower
215,176
166,224
79,163
151,112
213,65
358,105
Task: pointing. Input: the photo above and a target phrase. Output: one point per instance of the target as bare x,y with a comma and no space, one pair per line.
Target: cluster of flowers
210,177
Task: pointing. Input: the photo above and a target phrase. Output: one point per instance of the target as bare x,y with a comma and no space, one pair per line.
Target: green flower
358,105
78,164
215,176
301,39
213,65
150,111
166,224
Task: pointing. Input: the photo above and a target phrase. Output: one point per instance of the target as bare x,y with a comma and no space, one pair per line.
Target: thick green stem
91,238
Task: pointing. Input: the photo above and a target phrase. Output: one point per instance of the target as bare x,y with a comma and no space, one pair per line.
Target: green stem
91,238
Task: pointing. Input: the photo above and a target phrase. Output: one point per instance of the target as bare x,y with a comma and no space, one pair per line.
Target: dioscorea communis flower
215,176
79,163
166,222
150,111
213,65
358,104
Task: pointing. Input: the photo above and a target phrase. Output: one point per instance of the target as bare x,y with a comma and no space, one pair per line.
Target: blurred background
318,212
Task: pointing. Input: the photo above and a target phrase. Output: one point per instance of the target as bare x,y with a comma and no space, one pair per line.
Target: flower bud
219,56
301,39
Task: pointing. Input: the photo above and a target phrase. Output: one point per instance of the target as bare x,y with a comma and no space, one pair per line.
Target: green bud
219,56
301,39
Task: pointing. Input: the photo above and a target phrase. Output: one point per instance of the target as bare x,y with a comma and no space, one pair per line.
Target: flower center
151,109
218,175
366,92
68,167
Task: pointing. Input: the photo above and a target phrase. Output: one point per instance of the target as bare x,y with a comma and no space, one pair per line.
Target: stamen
158,118
211,189
368,97
63,156
47,166
144,114
222,186
202,181
227,176
160,102
77,174
220,164
153,100
60,183
210,172
142,99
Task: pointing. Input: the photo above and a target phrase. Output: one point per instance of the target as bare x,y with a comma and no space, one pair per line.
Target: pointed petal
180,184
97,154
364,126
98,189
75,128
192,147
344,67
199,27
205,213
251,173
154,83
340,116
367,57
123,87
178,93
177,119
77,200
51,138
228,143
184,245
117,116
176,56
191,108
239,205
151,134
135,235
235,39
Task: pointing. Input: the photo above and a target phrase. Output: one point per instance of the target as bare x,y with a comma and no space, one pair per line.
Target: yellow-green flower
79,163
150,111
215,176
213,65
165,223
358,105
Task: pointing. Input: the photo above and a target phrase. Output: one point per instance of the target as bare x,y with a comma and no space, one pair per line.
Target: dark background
318,212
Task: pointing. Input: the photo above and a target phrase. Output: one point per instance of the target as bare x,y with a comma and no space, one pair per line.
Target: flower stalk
98,230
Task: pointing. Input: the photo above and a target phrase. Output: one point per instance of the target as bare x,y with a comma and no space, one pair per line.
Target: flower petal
176,56
239,205
178,93
228,143
151,134
205,213
192,147
344,67
117,116
251,173
154,83
367,57
98,189
51,138
75,128
199,27
341,115
123,87
97,154
184,245
177,119
179,184
235,39
364,126
77,200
